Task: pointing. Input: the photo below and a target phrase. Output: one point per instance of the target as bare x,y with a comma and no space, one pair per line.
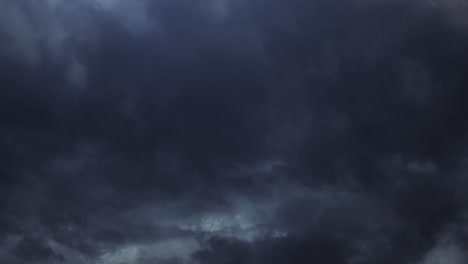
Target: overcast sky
233,132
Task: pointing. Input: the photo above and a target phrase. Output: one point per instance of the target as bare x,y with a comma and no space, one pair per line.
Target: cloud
35,250
446,250
76,75
231,132
35,33
21,40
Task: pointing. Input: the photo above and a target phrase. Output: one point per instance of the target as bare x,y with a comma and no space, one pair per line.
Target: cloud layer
232,132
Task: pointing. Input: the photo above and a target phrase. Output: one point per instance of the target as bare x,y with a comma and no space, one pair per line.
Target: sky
233,132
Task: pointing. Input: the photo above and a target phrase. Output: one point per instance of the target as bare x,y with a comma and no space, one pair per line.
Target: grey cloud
35,249
76,75
231,132
38,32
20,38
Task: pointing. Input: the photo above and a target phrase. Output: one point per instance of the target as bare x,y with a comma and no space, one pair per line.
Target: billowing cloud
222,131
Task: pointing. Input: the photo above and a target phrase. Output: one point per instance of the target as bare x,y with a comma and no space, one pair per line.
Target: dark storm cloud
32,249
232,132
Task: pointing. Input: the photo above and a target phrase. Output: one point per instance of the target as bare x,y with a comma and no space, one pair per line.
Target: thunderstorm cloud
233,131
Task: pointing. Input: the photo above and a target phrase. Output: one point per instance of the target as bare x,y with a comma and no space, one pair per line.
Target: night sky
233,132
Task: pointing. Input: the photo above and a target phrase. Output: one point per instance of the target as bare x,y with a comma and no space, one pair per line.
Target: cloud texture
231,131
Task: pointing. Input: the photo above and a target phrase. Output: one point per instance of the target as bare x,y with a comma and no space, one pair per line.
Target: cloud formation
232,132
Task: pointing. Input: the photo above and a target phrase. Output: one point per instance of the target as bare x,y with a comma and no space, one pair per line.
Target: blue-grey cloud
222,131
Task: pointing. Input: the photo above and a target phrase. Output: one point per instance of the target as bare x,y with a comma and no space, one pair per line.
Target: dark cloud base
236,132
